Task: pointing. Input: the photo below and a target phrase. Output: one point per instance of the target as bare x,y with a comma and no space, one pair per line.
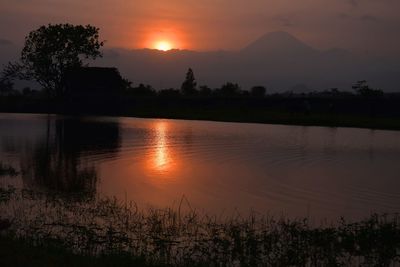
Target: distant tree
26,91
245,93
230,89
205,90
363,89
50,50
126,84
258,91
189,85
6,87
29,92
171,92
142,90
335,91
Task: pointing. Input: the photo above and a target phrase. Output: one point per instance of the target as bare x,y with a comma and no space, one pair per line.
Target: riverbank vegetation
7,170
329,108
50,230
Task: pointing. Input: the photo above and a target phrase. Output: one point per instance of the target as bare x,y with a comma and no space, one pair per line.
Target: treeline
189,88
228,102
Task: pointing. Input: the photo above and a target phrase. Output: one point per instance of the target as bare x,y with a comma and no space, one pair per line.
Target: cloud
363,18
284,21
369,18
5,42
214,24
343,16
353,3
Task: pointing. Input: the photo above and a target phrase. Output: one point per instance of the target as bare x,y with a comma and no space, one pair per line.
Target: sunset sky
371,26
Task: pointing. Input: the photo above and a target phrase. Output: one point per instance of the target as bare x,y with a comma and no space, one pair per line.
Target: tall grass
7,170
107,226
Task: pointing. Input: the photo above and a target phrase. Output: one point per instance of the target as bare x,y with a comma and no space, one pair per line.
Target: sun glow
163,45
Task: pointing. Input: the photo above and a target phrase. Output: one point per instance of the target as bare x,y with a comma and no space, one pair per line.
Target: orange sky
369,25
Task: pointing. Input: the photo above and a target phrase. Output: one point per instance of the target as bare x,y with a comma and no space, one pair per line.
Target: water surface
220,168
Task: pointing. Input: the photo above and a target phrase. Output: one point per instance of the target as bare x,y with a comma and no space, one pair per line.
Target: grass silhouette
102,229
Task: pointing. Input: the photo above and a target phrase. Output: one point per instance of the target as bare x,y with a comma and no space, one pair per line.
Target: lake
214,167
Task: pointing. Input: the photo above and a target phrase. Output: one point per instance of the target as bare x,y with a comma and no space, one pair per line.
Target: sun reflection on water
162,160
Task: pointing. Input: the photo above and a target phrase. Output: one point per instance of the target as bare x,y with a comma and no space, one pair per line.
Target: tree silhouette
205,90
189,85
258,91
142,90
230,89
6,87
51,50
363,89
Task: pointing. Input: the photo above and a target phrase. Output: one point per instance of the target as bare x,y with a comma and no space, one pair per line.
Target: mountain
278,43
276,60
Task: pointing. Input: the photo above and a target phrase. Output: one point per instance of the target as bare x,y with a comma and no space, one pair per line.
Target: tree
205,90
51,50
363,89
6,87
258,91
142,90
169,93
230,89
189,85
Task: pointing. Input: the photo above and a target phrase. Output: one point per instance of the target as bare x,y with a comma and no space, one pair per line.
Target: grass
7,170
56,231
21,253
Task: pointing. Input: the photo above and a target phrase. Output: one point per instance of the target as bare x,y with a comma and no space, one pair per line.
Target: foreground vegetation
49,230
7,170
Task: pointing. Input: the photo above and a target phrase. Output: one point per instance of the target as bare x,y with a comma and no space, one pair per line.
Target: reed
7,170
105,227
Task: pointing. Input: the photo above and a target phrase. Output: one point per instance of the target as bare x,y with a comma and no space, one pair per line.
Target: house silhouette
92,83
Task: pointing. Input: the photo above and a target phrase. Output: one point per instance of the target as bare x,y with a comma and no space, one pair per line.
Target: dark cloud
369,18
285,21
212,25
353,3
5,42
364,18
343,16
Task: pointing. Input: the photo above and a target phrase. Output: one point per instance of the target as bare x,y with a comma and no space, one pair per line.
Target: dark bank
99,94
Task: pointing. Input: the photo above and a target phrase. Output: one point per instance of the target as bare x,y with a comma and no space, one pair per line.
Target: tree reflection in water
60,162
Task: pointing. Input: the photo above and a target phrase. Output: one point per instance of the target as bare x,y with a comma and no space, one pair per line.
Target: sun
163,45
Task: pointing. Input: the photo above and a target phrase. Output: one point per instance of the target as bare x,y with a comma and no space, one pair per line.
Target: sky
365,26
